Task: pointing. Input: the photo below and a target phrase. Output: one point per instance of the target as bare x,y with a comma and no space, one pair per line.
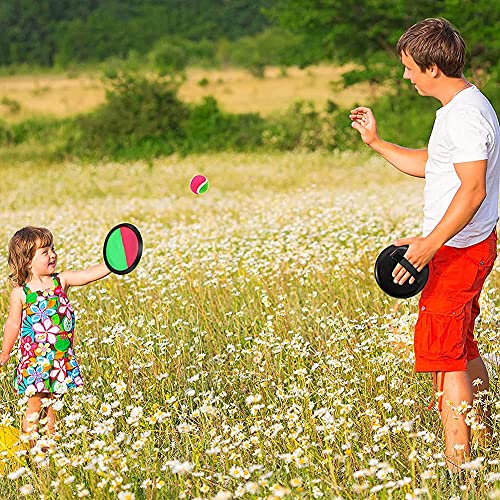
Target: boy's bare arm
465,203
463,207
408,161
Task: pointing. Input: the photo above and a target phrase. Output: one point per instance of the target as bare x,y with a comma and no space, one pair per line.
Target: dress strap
55,280
26,289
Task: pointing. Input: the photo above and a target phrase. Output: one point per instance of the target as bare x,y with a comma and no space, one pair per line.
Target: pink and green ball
199,184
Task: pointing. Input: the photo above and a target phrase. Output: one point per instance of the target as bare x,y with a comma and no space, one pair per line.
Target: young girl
42,314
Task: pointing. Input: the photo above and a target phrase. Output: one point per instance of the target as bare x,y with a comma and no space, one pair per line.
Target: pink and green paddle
122,248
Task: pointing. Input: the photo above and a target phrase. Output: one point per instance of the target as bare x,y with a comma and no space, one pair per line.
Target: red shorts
449,305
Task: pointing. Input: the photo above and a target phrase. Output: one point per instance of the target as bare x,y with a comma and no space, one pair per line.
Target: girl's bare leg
51,419
32,415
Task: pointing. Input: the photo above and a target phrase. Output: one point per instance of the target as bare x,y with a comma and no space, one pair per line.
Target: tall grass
250,355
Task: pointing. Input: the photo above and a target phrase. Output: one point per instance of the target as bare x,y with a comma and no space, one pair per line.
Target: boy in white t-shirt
461,166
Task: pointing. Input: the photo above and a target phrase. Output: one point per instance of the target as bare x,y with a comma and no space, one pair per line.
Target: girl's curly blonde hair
22,248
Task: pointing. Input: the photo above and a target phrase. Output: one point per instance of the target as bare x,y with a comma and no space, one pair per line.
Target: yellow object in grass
10,444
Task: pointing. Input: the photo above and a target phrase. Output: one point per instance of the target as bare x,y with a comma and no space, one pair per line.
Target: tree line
50,32
69,32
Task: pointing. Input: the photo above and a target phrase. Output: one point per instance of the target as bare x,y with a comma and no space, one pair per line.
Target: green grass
252,341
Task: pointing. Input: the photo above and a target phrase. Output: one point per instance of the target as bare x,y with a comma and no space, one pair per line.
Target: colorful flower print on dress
46,359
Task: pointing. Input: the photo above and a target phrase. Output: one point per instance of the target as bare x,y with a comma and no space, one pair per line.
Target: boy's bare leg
477,370
457,388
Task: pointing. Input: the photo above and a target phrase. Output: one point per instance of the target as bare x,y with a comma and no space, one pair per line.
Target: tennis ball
199,184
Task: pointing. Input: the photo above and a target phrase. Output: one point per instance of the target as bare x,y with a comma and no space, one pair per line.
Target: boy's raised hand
364,122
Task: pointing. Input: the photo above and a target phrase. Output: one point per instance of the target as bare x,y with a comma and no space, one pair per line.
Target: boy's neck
450,88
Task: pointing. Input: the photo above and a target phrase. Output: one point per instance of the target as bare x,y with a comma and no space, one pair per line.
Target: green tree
29,29
366,31
273,46
71,31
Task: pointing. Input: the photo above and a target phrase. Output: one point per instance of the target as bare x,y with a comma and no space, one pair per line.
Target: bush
6,136
174,54
144,118
168,55
40,130
300,127
139,115
11,104
200,53
491,87
273,46
209,129
405,117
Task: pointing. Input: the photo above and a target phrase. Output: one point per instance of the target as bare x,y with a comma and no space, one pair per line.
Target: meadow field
237,90
251,353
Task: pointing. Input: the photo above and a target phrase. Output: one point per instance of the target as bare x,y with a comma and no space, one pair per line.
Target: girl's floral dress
47,361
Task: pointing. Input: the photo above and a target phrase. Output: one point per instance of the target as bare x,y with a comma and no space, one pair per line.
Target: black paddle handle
398,256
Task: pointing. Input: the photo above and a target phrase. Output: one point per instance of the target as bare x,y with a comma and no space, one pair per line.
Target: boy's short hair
434,41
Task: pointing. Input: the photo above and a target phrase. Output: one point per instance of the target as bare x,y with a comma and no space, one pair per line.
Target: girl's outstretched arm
79,278
13,324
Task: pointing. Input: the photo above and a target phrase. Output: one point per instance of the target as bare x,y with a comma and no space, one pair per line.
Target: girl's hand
3,359
364,122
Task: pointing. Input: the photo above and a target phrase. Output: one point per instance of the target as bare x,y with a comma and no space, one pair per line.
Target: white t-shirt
466,129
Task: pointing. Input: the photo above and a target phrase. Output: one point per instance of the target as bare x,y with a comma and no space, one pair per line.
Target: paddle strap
398,256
